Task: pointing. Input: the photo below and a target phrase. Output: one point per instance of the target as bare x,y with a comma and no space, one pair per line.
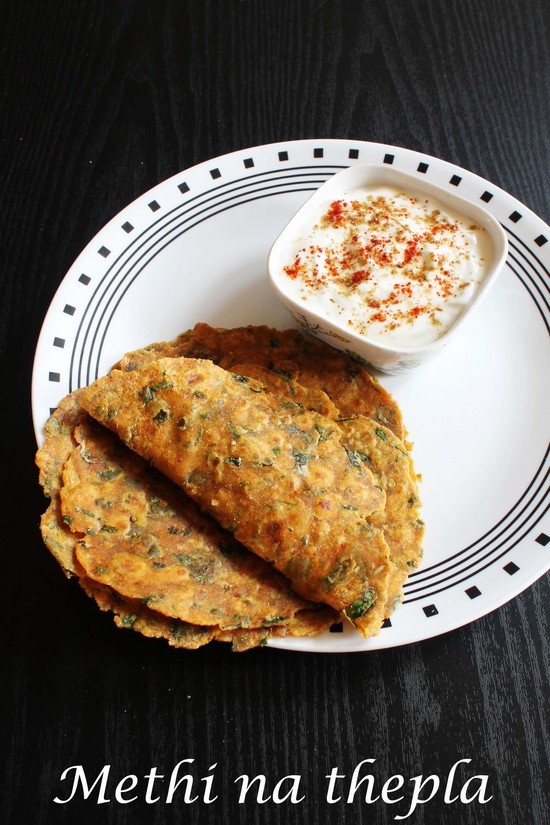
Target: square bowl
387,356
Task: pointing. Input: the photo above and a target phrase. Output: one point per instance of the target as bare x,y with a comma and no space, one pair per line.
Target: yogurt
396,267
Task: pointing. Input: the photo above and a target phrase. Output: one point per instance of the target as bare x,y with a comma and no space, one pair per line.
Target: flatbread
312,363
385,455
310,399
131,615
58,443
147,541
66,450
283,484
388,458
50,459
312,376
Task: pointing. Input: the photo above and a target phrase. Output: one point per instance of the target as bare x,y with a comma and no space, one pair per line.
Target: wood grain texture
100,101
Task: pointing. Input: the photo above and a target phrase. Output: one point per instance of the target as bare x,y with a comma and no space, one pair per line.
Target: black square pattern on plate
52,410
127,226
473,592
455,180
386,623
511,568
541,240
59,342
430,610
68,309
154,206
318,153
337,628
215,173
248,163
423,167
389,159
543,539
487,196
84,279
515,216
353,154
183,187
283,155
55,377
104,252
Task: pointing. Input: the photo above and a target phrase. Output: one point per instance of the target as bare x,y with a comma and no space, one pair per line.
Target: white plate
194,248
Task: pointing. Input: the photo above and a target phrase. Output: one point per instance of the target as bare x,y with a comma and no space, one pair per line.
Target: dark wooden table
100,101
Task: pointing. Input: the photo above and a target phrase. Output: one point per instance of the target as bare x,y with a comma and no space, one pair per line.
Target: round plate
194,248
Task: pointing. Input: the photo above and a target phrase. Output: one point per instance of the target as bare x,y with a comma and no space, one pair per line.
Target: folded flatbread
280,480
145,552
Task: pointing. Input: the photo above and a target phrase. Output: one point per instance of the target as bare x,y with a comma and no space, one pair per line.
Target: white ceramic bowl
382,356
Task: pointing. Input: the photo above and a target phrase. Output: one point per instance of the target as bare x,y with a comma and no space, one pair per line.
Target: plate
194,248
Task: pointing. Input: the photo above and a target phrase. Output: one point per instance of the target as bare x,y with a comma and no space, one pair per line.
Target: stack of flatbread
233,485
